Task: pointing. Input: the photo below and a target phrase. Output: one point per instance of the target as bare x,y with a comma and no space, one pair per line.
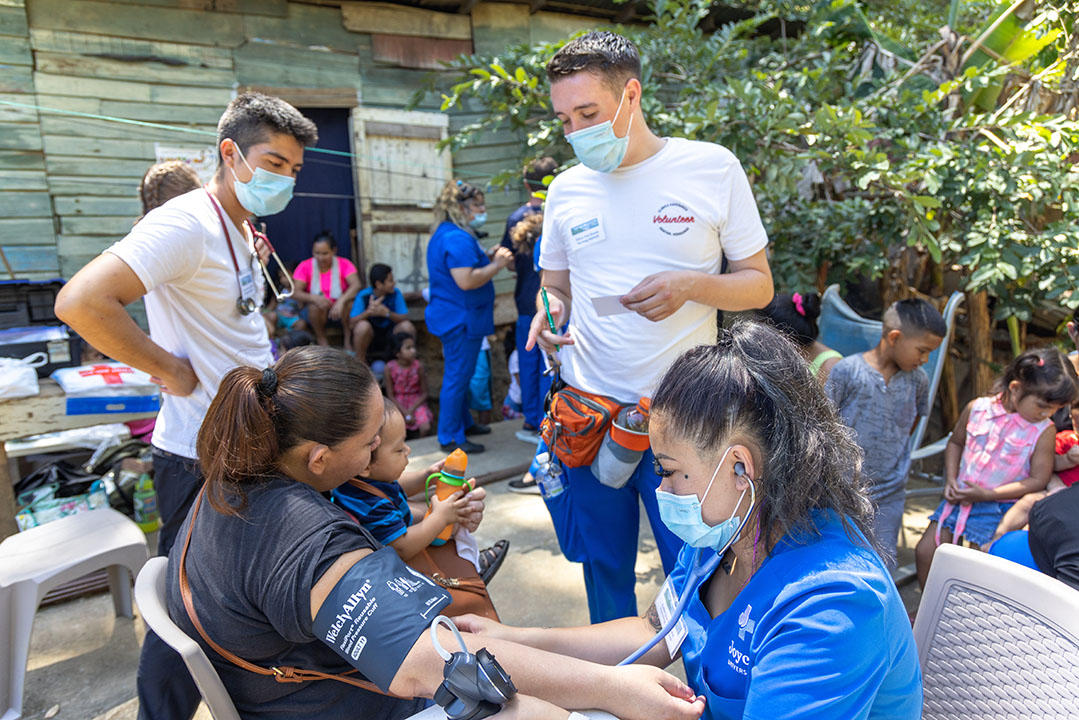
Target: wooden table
42,413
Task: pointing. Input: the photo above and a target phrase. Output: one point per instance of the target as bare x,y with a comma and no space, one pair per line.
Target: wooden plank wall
160,61
27,234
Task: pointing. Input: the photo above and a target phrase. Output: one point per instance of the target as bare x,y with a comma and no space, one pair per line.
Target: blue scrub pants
459,353
534,383
597,526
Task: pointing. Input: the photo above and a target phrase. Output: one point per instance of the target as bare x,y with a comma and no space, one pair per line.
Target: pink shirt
999,445
303,274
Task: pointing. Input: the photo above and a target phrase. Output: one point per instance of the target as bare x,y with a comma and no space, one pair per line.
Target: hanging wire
196,131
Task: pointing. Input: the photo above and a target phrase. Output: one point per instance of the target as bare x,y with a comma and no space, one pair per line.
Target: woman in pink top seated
326,295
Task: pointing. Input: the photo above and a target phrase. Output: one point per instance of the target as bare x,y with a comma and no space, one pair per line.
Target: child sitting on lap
1001,449
880,394
390,518
1065,474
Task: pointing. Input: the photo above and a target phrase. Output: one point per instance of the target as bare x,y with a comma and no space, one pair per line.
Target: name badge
247,285
666,602
587,233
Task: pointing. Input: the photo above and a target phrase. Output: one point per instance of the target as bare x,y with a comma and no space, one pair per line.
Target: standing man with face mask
646,220
193,261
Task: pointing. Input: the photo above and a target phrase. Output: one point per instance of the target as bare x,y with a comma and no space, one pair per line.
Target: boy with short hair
880,394
378,313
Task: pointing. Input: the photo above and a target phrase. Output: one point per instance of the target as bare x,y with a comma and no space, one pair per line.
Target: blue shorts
982,522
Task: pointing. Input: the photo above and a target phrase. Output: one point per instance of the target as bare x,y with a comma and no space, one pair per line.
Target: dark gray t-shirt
251,580
882,415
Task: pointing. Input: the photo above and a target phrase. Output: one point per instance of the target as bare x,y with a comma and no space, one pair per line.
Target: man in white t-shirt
634,237
193,261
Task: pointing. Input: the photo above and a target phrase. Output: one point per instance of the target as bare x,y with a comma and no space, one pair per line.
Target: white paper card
666,602
609,305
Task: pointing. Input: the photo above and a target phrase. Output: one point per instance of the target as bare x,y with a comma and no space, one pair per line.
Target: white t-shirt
680,209
178,251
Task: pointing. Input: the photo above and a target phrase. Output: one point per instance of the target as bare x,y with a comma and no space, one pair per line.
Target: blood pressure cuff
376,611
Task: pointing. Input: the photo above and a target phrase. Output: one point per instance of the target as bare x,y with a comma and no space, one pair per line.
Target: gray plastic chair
996,640
39,559
150,597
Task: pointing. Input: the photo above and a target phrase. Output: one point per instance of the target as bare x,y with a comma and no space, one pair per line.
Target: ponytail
311,393
1045,372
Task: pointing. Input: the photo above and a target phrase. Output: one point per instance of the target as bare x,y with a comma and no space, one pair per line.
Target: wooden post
7,498
981,343
949,393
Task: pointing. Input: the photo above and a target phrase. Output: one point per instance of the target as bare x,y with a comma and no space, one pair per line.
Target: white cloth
467,547
178,251
514,392
681,209
335,278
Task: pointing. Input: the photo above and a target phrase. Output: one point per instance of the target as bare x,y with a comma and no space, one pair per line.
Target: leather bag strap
284,674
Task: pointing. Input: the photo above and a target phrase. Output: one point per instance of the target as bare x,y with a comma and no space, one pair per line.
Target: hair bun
811,304
267,385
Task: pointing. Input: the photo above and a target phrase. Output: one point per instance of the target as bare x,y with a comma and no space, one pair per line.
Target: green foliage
857,146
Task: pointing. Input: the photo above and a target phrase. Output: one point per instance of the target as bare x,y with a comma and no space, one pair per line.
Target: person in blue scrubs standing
798,618
462,306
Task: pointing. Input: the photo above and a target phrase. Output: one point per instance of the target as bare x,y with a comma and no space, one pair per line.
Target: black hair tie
267,386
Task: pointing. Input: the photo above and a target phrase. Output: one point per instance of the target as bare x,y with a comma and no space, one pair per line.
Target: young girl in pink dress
406,384
1000,450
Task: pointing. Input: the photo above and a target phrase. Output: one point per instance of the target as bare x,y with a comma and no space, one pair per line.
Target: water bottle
549,477
447,482
145,500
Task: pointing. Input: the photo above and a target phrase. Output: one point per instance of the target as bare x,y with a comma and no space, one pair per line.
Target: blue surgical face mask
682,516
266,193
478,221
597,147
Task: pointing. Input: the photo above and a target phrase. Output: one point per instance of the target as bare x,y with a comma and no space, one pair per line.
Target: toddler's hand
451,510
1073,454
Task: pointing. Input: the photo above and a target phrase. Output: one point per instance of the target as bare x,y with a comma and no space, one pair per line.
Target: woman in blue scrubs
462,306
798,618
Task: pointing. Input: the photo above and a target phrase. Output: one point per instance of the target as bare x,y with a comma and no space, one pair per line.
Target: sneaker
528,436
478,429
491,559
525,487
470,448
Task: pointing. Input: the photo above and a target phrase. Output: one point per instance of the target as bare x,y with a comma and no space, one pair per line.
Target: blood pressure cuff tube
375,613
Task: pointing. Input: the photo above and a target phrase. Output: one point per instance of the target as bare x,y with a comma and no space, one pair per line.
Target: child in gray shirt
880,394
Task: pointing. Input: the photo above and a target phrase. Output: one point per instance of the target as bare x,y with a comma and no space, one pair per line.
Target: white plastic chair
39,559
150,596
996,640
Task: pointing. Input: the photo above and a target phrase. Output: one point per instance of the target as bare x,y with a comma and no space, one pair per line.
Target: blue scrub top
818,632
451,307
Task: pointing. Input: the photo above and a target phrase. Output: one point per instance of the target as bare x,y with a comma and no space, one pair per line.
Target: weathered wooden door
400,172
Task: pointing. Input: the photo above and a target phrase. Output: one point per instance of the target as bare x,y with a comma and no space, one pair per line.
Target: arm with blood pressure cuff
384,620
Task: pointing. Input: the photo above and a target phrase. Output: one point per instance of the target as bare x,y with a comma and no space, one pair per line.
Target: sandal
491,559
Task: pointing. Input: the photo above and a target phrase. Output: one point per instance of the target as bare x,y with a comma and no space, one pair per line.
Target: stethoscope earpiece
739,469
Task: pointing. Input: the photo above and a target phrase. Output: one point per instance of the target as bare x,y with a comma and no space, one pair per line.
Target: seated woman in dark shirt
263,550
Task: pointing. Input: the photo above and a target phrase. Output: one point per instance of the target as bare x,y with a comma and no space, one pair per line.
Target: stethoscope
699,571
247,305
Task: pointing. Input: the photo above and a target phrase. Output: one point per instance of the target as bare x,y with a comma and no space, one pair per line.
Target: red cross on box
111,375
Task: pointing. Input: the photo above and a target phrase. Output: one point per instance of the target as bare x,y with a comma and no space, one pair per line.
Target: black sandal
491,559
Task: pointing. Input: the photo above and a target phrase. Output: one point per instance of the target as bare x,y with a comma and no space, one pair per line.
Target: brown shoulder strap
280,674
368,488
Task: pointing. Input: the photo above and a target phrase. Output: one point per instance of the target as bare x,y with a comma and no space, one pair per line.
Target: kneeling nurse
779,605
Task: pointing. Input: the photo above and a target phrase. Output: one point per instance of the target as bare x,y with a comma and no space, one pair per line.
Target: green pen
547,309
